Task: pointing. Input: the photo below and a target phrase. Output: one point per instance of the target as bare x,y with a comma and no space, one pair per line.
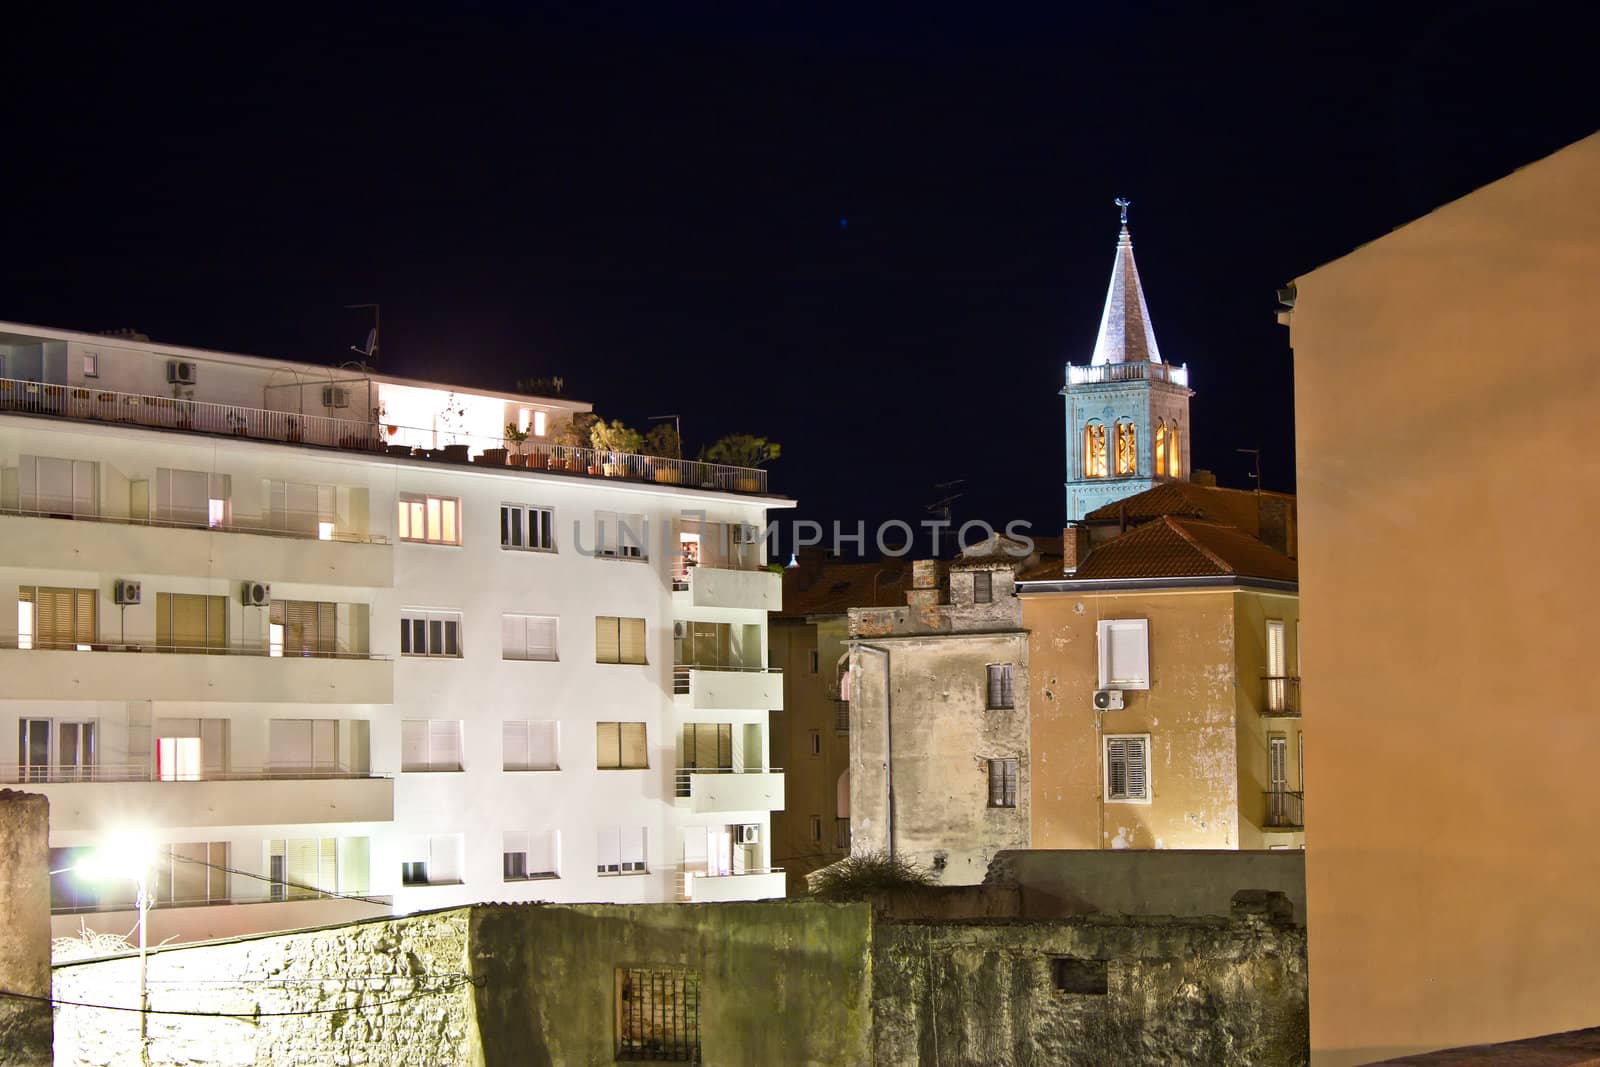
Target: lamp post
129,857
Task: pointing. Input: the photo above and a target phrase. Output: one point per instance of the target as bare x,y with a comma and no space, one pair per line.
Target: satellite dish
370,347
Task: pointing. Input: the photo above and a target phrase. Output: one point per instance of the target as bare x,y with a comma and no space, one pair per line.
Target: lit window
538,423
1161,447
216,512
1128,767
91,365
1094,450
430,519
1174,457
24,624
325,531
1127,449
275,639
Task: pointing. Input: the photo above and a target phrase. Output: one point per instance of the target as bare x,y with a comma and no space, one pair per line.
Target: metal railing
1096,374
841,834
686,774
297,428
262,651
202,524
37,774
680,673
1286,810
1280,696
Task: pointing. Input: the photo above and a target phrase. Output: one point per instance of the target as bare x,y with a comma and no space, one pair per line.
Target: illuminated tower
1127,410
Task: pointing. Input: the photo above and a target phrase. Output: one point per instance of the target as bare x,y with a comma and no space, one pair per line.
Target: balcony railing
1280,696
841,716
218,527
290,427
680,673
1099,374
686,774
36,774
262,651
1286,810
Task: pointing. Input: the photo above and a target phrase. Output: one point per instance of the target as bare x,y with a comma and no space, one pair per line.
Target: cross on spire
1124,203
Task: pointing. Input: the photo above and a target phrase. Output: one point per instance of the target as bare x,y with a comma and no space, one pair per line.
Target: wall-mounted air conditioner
750,833
1108,700
125,591
680,630
255,594
746,534
180,372
335,397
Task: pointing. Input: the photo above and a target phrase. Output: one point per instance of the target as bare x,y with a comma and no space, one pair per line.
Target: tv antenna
369,351
1256,474
677,429
941,507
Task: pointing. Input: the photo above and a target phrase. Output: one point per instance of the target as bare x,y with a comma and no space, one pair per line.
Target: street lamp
129,856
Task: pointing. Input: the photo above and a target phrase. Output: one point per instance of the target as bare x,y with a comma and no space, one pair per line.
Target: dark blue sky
648,202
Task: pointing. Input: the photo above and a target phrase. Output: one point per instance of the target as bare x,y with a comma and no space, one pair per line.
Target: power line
53,1002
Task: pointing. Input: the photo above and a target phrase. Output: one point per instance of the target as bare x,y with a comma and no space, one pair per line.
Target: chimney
1074,546
924,591
1203,477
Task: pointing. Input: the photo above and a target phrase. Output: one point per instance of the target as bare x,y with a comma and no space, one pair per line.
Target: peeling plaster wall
1189,711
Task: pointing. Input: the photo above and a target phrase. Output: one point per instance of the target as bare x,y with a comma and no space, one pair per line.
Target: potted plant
746,451
514,438
613,440
571,440
662,443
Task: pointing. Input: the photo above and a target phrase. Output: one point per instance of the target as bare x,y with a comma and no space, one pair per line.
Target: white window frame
1105,769
609,526
435,748
514,622
1104,631
529,529
610,842
517,749
412,510
409,617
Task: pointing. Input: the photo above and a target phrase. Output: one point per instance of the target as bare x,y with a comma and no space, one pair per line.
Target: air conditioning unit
125,591
750,833
335,397
255,594
680,630
1108,700
746,534
180,372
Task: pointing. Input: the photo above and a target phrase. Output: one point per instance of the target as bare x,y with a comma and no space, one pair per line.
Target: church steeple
1125,332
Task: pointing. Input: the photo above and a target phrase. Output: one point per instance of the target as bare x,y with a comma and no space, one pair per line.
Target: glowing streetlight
130,856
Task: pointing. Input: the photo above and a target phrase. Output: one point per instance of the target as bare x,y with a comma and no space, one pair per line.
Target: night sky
874,234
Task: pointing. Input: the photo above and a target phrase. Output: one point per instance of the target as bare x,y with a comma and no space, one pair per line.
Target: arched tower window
1127,449
1094,450
1175,451
1161,446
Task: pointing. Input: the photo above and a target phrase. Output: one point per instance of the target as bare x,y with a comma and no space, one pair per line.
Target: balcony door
191,623
1277,667
190,750
33,750
304,745
77,751
708,851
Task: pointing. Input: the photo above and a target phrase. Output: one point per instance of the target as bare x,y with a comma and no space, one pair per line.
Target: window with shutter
1277,666
514,856
632,640
1127,767
59,487
1000,693
1002,783
618,640
982,587
530,745
430,745
191,623
621,535
1124,653
544,854
303,867
1278,761
528,637
55,618
444,859
620,746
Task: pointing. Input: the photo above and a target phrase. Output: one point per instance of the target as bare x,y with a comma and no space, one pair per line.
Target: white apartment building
270,615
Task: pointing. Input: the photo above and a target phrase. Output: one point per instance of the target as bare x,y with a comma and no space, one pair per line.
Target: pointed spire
1125,332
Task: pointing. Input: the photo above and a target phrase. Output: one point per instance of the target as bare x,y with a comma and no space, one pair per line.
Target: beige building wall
1445,396
1208,742
809,745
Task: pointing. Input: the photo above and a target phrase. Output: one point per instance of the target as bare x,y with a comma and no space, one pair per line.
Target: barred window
658,1015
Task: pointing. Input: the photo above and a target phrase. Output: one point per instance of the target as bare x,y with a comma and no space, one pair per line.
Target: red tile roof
1235,507
1174,547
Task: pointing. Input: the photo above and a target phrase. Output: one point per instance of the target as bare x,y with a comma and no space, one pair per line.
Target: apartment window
192,872
56,618
1124,653
434,860
658,1015
1000,696
528,637
299,745
1277,667
1002,783
58,487
527,527
621,534
1278,762
301,507
814,738
189,750
430,633
33,750
187,622
618,640
1127,767
434,520
91,365
621,851
303,628
530,745
430,745
526,856
982,587
77,749
620,746
303,867
816,829
193,498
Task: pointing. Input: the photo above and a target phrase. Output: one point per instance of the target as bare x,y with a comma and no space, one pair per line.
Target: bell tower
1127,409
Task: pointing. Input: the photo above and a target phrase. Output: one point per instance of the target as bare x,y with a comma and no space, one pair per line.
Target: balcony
1285,810
139,546
234,673
722,789
297,428
761,884
729,688
718,587
1280,696
1107,373
93,798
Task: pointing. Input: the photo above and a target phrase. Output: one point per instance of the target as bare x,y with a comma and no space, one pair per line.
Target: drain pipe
888,751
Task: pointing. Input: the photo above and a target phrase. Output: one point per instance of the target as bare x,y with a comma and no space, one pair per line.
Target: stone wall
361,994
25,917
1199,991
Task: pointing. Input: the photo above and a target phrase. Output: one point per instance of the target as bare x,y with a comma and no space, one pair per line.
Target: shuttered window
303,867
1124,653
434,860
528,637
527,855
1002,783
191,873
1277,667
430,745
621,851
1127,768
303,745
309,628
982,587
620,746
618,640
432,520
192,498
1278,761
189,623
527,527
430,633
530,745
621,534
55,618
60,487
1000,695
301,508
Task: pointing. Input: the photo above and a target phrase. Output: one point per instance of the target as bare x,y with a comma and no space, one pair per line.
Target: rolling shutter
607,639
634,751
632,640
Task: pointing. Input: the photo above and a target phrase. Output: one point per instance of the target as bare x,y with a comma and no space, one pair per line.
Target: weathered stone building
25,919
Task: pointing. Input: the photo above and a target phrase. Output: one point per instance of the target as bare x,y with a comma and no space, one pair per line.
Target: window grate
658,1015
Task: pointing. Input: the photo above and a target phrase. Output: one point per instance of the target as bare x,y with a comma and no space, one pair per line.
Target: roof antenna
941,507
1256,474
369,352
